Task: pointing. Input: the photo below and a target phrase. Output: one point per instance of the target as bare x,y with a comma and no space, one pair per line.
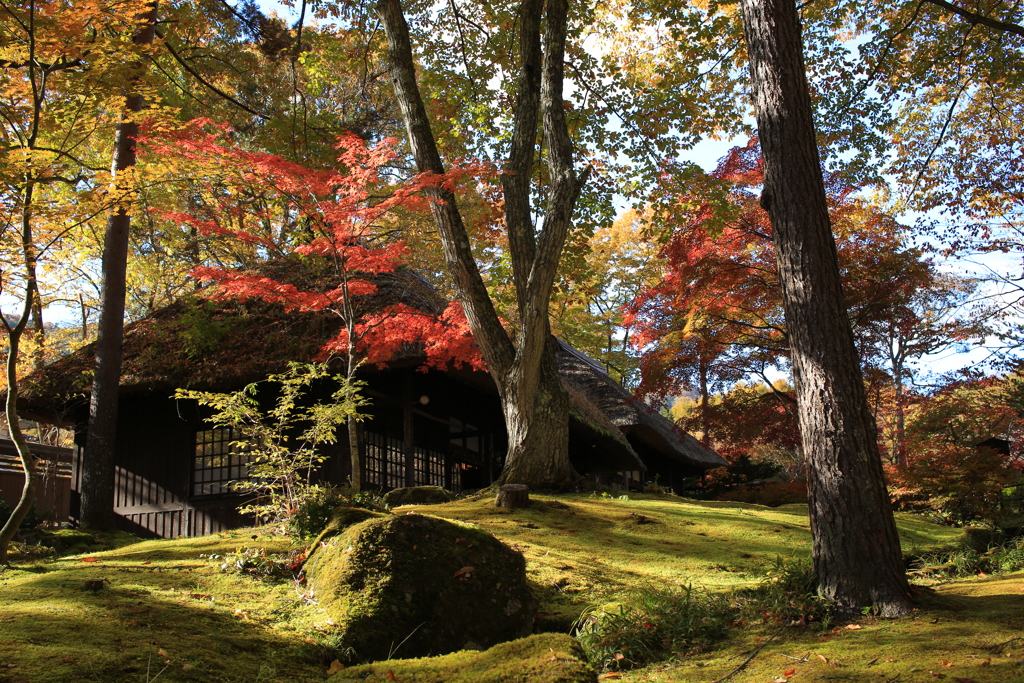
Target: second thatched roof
630,415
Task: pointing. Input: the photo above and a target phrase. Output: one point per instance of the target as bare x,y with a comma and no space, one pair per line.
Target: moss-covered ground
163,610
583,551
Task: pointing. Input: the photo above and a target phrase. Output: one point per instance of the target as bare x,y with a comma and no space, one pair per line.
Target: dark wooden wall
155,447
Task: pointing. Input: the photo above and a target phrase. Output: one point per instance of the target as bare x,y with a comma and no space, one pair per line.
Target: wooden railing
55,460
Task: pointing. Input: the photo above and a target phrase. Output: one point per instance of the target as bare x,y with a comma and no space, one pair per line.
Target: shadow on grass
132,627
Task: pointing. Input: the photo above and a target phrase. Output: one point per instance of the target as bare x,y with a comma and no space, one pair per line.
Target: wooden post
408,434
512,496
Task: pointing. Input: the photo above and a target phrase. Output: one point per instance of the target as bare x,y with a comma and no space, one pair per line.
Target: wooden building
441,428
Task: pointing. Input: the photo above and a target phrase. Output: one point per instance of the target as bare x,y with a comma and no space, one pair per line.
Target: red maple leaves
270,208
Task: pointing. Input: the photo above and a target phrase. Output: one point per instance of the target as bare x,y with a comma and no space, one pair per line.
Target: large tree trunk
538,431
856,550
536,409
97,510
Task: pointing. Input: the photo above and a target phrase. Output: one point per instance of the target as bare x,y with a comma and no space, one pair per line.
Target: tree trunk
28,461
14,336
899,439
856,550
535,405
538,432
38,333
97,510
705,400
356,478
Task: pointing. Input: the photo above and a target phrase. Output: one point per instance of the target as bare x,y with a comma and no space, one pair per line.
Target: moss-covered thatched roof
615,454
218,345
630,415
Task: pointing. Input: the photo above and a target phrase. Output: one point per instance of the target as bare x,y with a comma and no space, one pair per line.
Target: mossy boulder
417,495
417,586
342,517
547,657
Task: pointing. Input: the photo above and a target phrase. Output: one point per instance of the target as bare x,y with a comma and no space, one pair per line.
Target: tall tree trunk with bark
705,400
14,337
98,462
856,550
535,404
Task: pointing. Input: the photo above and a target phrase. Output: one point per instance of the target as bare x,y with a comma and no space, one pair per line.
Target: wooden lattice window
384,461
429,467
216,463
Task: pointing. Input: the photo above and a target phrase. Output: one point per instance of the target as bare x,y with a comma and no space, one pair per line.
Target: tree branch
515,182
195,74
565,186
975,18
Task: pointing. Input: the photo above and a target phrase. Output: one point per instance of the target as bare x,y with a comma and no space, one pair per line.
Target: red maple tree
716,316
331,223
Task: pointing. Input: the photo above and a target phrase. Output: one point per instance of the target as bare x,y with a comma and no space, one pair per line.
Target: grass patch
164,610
972,630
544,657
652,624
152,608
584,550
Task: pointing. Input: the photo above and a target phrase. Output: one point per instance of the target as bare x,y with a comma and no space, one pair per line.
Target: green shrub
1010,556
771,494
955,563
318,502
722,480
282,442
417,495
653,624
258,563
788,594
32,520
948,564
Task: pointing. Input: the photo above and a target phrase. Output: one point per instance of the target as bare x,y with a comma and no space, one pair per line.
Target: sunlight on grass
968,631
164,608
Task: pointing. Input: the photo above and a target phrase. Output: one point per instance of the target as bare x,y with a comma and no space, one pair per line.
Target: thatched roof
216,346
630,415
615,453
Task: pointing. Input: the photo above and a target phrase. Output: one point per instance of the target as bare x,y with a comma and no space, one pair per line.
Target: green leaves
281,423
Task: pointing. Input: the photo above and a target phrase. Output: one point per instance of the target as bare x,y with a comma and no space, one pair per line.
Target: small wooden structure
53,494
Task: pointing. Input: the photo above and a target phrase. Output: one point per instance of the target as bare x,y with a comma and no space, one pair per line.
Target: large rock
416,586
417,495
342,517
547,657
